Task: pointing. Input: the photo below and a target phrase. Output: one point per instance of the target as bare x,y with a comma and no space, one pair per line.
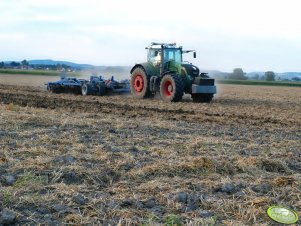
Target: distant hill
289,75
252,74
284,75
55,62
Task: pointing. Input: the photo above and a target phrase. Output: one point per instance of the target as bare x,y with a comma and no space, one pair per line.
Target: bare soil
27,80
69,159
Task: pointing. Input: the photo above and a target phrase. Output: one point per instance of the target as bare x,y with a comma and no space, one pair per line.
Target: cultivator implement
96,85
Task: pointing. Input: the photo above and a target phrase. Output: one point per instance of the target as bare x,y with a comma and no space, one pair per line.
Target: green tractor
165,72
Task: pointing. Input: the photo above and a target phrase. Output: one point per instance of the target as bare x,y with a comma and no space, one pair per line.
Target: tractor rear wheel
171,88
86,89
202,98
140,84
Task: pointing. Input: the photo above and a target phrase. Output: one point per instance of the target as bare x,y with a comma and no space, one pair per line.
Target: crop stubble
115,159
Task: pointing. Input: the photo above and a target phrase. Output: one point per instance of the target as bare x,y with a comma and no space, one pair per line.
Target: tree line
239,74
24,64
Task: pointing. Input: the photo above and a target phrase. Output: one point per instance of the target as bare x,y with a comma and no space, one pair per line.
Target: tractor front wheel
140,84
171,88
202,98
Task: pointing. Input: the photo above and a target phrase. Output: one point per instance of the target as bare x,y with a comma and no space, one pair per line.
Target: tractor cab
164,56
168,58
169,54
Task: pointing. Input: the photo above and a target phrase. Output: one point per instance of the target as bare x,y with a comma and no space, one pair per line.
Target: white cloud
225,33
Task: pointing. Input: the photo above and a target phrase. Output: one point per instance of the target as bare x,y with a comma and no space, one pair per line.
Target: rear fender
148,68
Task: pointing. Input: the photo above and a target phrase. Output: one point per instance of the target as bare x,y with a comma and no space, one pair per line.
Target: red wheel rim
168,88
138,83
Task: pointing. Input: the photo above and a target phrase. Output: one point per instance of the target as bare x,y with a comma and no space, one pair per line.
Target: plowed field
69,159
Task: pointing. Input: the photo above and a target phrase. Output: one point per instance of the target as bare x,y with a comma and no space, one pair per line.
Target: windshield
173,54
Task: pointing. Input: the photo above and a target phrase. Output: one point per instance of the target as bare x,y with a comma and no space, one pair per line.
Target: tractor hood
191,70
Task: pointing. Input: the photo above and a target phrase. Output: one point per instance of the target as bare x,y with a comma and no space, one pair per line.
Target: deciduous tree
269,76
24,63
239,74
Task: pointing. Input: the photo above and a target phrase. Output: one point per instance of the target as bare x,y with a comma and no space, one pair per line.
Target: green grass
35,72
27,179
7,198
172,220
259,83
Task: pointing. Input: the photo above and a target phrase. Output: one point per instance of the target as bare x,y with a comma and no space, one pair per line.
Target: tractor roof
158,45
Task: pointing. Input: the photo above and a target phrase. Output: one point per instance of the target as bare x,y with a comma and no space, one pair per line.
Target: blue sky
257,35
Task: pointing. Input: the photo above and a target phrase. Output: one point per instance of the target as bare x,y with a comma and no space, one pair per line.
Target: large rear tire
140,83
202,98
171,88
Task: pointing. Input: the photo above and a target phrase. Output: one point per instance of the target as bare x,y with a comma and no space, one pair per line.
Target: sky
255,35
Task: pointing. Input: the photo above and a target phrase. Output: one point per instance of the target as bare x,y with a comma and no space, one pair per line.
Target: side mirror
194,54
